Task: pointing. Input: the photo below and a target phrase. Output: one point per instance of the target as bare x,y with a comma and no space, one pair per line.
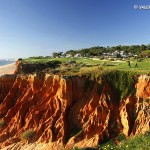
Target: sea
6,62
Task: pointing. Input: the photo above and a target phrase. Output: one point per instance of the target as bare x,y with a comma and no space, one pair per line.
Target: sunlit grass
143,66
141,142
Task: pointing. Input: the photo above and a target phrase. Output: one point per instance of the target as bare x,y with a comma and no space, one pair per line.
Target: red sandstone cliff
69,111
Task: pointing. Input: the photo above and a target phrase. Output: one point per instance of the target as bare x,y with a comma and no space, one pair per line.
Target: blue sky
40,27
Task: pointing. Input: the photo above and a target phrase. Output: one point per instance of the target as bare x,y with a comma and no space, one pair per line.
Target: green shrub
54,63
121,81
2,123
28,135
121,137
90,70
141,142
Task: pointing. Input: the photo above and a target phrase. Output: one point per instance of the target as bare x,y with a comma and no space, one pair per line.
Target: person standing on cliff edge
129,64
136,65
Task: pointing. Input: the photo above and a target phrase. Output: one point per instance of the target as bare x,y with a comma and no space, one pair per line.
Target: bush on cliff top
121,81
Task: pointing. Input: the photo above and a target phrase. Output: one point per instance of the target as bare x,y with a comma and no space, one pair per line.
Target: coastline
7,69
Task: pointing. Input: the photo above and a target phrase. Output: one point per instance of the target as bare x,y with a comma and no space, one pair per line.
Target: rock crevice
72,111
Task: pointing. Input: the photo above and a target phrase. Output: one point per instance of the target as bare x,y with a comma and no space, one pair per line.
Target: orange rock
69,111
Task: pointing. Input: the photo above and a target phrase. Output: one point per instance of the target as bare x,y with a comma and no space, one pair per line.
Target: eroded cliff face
69,111
6,83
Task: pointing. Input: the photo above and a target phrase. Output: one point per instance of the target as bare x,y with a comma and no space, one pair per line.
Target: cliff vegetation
59,108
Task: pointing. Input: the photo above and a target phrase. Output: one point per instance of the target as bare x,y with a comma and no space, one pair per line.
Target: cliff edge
69,111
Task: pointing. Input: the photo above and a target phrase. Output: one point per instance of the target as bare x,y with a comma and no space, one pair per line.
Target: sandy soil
7,69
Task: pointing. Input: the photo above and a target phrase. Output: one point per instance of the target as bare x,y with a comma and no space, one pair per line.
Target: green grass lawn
143,66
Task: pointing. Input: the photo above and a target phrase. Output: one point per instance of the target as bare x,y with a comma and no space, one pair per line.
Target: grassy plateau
143,64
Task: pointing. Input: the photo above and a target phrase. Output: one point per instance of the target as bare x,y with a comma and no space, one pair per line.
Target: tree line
141,50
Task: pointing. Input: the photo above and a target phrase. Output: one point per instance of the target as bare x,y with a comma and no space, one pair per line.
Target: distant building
68,55
77,55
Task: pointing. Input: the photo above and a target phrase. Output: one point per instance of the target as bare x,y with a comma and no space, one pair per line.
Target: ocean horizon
6,62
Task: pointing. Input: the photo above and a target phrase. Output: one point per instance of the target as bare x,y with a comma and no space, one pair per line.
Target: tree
118,48
59,54
145,54
133,49
142,47
148,47
118,56
72,52
55,54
